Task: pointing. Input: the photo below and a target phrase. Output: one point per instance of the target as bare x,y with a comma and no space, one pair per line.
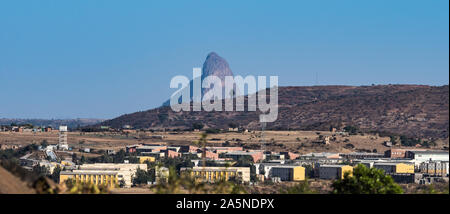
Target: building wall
213,174
334,172
289,173
98,179
404,168
142,159
124,171
345,169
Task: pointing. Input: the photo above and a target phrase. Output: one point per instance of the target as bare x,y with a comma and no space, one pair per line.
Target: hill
55,123
412,110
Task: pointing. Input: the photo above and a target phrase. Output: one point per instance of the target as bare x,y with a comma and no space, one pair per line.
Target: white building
63,145
425,156
124,172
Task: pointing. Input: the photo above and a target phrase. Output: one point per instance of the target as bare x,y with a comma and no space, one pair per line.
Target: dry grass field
294,141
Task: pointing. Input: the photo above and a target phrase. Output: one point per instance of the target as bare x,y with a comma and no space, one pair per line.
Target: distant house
256,156
334,171
289,173
290,155
424,156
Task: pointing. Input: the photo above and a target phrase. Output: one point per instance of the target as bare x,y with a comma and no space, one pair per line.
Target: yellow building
142,159
404,168
66,163
288,173
345,169
213,174
103,173
334,171
401,168
99,178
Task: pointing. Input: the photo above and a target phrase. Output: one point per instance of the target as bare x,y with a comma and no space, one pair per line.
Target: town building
290,155
213,174
424,156
223,149
143,159
434,168
63,145
360,155
187,149
398,168
256,156
288,173
399,153
103,173
334,171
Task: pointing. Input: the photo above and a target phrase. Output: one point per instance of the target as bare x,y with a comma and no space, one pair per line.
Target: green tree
300,188
366,181
141,177
202,144
55,175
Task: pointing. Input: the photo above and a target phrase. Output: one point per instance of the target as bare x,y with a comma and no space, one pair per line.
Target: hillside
413,110
10,184
71,123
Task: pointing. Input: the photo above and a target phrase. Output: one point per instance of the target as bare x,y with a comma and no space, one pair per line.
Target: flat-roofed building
187,149
399,153
213,174
424,156
236,155
288,173
143,159
334,171
108,178
361,155
223,149
317,155
103,173
290,155
434,168
399,168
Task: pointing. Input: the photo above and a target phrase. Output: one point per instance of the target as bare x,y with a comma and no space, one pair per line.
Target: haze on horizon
102,59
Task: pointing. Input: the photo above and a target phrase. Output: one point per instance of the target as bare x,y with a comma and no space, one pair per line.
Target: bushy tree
141,177
366,181
300,188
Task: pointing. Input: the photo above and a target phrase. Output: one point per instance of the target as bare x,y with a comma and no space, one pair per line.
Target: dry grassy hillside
413,110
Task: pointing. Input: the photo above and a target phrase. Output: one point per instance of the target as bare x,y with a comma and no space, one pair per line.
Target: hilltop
412,110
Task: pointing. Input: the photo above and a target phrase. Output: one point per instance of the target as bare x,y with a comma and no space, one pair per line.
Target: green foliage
40,170
366,181
352,130
141,177
44,143
435,189
197,126
184,183
406,141
85,188
301,188
55,175
232,125
212,131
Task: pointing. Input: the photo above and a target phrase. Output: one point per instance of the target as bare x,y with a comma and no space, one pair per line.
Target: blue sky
101,59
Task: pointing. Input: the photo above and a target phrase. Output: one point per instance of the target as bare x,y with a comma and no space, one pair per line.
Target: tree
44,144
300,188
83,159
202,143
55,175
141,177
366,181
197,126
